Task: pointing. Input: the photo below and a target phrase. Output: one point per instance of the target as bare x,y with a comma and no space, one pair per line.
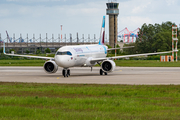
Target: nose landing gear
66,72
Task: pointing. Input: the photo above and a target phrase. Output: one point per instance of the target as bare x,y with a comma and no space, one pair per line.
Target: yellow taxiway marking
57,77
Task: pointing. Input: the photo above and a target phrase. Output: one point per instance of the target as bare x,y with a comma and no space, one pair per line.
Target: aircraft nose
64,61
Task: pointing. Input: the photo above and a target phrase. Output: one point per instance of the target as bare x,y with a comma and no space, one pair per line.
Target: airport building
21,45
113,12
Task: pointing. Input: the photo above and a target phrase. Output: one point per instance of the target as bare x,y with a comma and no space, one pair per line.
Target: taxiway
121,75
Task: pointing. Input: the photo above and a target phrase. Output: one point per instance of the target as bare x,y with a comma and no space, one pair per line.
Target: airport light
174,39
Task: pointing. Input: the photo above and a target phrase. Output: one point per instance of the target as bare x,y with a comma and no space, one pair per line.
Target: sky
80,16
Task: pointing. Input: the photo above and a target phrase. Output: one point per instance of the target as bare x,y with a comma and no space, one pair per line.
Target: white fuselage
79,55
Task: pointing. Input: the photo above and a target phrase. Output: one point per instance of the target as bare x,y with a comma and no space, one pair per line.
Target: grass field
24,101
146,63
123,63
22,62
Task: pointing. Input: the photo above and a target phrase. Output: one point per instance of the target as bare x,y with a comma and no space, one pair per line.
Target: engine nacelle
50,67
108,66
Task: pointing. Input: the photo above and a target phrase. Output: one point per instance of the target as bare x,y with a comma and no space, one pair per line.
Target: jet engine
50,67
108,66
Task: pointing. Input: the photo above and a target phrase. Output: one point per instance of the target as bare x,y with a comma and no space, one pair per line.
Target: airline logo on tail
102,34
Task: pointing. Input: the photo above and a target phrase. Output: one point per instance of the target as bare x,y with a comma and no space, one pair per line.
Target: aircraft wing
136,55
127,56
28,56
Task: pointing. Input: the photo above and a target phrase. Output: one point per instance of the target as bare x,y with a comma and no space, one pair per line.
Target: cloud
171,2
50,2
141,8
82,16
133,22
34,0
4,12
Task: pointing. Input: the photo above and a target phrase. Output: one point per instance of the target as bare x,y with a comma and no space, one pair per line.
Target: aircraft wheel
64,72
101,72
68,72
105,73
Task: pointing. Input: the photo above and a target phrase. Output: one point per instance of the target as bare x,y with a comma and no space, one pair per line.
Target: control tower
113,12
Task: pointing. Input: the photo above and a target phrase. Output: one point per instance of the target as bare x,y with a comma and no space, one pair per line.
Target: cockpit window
64,53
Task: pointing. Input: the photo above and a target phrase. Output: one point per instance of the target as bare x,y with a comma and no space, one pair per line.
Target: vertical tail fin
102,34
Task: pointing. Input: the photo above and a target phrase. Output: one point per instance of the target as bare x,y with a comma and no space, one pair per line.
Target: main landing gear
66,72
101,72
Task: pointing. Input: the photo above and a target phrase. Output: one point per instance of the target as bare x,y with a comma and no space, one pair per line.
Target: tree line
153,38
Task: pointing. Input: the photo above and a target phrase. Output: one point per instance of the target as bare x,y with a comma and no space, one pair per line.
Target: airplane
83,56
